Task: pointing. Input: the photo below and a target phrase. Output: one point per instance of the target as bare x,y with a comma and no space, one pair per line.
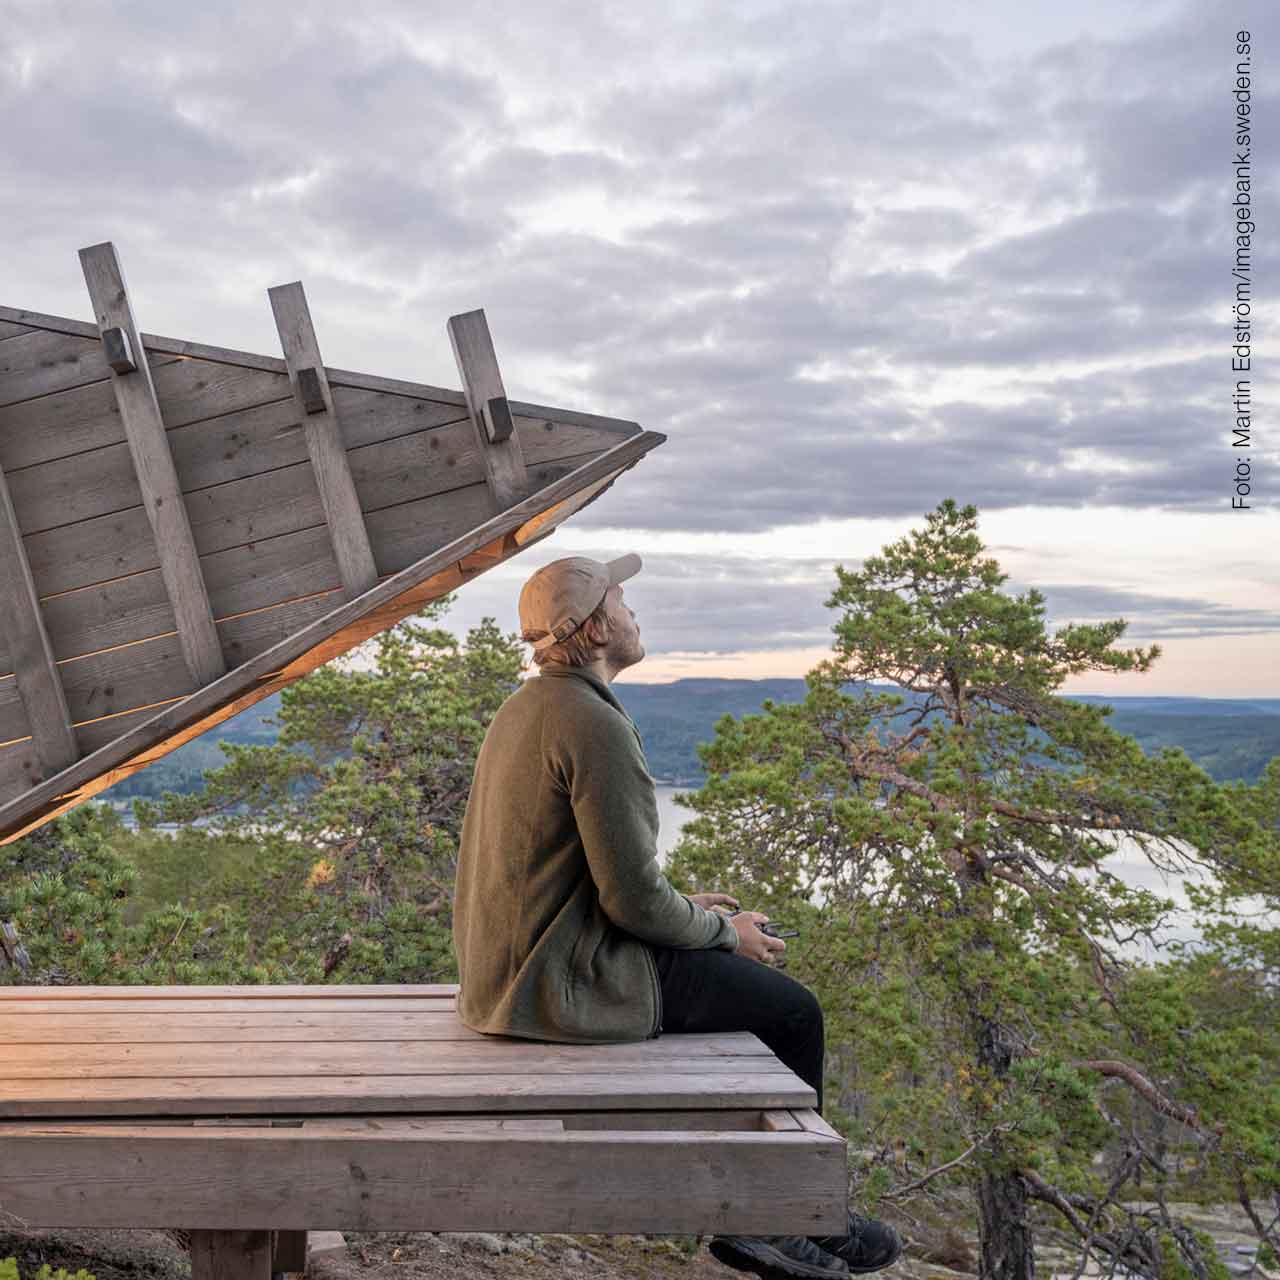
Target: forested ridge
1228,738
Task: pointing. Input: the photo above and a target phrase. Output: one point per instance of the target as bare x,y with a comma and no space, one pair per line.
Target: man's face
624,649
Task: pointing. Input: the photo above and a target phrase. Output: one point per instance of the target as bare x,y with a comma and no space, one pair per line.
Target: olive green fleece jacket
558,888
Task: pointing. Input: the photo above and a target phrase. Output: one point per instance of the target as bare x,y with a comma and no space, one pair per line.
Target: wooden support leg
290,1252
231,1255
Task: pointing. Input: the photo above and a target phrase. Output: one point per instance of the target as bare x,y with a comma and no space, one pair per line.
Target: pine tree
946,846
355,811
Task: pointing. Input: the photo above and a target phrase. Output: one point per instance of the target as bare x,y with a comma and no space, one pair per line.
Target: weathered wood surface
344,1032
39,364
160,345
272,994
157,478
342,509
229,1058
200,1027
503,458
22,627
334,633
389,1178
149,672
429,1131
241,507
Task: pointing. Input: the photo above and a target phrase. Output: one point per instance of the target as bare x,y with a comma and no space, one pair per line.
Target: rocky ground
152,1255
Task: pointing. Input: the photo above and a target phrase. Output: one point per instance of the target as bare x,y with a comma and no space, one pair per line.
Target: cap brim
622,568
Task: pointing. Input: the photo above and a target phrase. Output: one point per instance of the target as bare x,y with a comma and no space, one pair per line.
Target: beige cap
562,595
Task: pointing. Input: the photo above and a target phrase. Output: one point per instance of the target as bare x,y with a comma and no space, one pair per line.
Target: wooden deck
258,1109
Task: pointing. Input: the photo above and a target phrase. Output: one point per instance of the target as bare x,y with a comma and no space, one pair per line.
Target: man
564,925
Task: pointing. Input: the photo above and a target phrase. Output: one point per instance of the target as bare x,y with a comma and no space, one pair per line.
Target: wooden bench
252,1115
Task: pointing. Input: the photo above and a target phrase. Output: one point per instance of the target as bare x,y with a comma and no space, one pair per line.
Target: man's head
574,614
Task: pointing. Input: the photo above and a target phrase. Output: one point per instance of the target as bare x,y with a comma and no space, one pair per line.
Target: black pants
714,990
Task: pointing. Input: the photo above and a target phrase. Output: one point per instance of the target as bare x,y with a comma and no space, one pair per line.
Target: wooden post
310,385
289,1251
35,672
490,410
231,1255
157,477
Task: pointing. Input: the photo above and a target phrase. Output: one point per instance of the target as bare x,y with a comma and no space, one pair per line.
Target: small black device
775,929
772,928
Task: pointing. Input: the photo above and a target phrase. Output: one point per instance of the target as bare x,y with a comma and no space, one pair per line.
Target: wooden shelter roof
186,528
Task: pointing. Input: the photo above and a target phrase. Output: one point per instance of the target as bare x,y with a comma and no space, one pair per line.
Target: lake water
671,817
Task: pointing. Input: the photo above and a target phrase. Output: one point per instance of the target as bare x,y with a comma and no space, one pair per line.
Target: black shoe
869,1245
778,1257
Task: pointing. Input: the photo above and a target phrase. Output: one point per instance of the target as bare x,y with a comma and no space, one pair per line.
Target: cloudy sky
853,258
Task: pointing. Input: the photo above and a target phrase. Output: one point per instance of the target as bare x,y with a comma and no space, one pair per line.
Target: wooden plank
811,1122
281,991
230,1255
10,330
342,511
20,768
599,1181
248,1007
195,1028
55,324
363,1125
37,681
616,1090
114,682
39,364
237,510
228,1058
703,1120
335,633
157,344
779,1122
503,458
157,478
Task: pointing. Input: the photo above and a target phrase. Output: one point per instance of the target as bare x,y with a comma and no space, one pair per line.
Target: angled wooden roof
185,529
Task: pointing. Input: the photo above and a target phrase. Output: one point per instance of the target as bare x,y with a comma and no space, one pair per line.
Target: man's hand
710,901
751,942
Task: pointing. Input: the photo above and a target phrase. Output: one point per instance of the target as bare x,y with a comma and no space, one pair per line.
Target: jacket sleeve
616,811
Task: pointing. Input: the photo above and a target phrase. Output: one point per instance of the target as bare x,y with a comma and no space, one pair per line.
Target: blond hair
577,650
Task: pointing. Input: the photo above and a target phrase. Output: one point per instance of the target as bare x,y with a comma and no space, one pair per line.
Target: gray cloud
802,194
1154,617
718,603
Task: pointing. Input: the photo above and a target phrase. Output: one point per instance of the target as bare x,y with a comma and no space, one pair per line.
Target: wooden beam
623,1089
324,439
489,408
157,477
391,1175
35,672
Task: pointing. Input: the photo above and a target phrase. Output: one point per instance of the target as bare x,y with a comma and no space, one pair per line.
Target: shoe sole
879,1266
768,1263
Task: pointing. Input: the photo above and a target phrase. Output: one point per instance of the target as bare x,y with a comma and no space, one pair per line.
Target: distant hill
1230,738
